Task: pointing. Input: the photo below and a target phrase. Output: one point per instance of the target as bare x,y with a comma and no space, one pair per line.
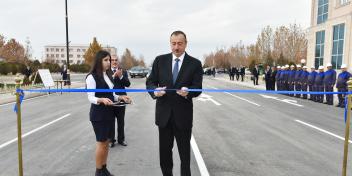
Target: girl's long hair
97,67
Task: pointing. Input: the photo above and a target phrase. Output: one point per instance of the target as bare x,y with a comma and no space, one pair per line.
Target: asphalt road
237,135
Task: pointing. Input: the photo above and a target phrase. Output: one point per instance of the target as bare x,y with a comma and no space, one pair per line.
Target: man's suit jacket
190,76
122,83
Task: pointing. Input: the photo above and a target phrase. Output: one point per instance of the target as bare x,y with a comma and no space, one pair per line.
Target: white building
57,53
330,37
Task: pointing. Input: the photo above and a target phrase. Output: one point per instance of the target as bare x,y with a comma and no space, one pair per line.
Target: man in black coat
120,82
242,72
268,77
174,109
255,73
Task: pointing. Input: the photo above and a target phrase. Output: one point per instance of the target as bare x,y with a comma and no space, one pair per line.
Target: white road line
33,131
242,99
251,102
321,130
201,165
32,98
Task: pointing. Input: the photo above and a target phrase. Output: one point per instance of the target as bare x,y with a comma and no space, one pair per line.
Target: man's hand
159,92
105,101
118,73
183,92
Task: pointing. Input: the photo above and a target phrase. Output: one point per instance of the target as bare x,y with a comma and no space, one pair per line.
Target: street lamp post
67,48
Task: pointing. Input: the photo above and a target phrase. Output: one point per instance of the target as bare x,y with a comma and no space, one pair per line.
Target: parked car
138,71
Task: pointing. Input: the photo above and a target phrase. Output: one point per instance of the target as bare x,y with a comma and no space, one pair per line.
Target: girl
101,112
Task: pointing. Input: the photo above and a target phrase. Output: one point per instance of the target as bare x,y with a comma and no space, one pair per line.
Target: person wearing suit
174,109
101,112
64,74
255,73
120,82
268,72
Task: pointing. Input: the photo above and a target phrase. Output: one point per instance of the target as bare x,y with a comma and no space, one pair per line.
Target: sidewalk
10,97
248,83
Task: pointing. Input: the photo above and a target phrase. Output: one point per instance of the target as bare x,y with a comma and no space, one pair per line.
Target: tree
265,42
13,52
128,60
2,41
141,61
93,49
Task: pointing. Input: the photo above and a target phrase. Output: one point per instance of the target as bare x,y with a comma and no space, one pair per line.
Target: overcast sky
144,26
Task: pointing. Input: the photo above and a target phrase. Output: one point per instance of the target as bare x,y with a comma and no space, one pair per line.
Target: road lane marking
321,130
205,97
293,102
201,165
32,98
33,131
251,102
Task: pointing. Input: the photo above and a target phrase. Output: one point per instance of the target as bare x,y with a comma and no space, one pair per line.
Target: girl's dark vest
101,112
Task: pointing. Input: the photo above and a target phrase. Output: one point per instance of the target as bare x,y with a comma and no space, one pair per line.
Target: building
329,36
57,53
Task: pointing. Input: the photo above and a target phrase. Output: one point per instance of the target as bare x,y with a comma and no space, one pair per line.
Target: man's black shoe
123,143
338,106
112,144
325,102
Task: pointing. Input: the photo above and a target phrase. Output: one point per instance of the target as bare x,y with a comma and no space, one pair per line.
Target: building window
57,55
337,47
62,55
78,62
57,50
323,6
78,50
47,55
52,55
344,2
62,50
71,55
47,49
319,49
78,56
84,50
52,49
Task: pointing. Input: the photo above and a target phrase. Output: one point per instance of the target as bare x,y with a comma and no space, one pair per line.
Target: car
138,71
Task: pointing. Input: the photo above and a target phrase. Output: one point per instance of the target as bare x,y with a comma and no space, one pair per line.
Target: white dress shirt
179,62
91,84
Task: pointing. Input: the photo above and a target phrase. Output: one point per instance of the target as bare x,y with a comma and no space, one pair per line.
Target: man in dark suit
268,72
255,73
64,74
174,109
120,82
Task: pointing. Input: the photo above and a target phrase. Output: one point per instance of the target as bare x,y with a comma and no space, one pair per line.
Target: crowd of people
237,71
298,78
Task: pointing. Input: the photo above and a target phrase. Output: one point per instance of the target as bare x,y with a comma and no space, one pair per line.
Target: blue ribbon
20,91
172,90
346,101
189,90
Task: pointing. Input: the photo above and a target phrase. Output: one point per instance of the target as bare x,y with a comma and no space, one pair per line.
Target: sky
144,26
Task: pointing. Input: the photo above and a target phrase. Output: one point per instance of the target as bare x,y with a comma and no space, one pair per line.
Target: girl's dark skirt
103,130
